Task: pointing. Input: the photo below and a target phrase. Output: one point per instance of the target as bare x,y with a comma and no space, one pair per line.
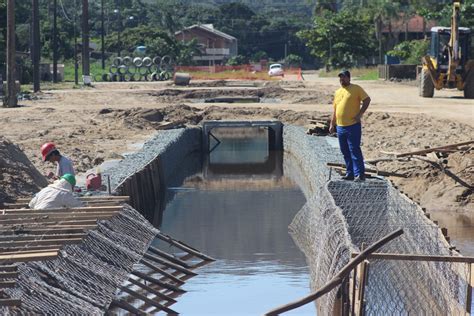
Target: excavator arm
454,57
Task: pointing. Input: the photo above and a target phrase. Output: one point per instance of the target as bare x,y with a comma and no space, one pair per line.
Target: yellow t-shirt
347,104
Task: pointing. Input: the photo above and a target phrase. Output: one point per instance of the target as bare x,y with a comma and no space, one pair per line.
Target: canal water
237,209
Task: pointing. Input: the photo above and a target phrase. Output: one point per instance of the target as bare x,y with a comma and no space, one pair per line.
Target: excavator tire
469,85
426,84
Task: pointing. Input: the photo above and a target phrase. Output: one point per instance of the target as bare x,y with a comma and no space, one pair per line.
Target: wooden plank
23,257
7,284
42,236
410,257
48,229
425,151
83,209
10,302
9,275
8,268
38,228
88,198
32,249
368,170
35,213
40,242
52,221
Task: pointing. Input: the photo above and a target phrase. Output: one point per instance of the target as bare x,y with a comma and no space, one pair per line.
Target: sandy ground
91,125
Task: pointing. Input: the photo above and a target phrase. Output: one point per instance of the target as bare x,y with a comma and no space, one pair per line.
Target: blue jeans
349,143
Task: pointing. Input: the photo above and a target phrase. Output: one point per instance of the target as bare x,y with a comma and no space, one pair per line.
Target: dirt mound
18,176
428,184
270,92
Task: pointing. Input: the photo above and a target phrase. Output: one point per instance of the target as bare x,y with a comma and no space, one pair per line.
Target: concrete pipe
157,60
117,61
132,69
97,77
122,69
181,78
143,70
114,77
106,77
154,68
144,77
113,69
137,61
147,62
127,60
155,76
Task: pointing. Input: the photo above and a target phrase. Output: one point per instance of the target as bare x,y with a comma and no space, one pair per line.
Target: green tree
293,60
410,52
339,39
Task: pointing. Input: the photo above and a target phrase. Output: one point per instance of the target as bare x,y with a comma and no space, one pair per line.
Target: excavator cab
439,46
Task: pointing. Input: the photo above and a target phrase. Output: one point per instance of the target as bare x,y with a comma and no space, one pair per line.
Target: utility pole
11,99
85,42
35,53
102,32
76,64
55,41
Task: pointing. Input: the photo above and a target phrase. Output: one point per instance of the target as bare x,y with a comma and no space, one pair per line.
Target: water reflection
242,221
460,230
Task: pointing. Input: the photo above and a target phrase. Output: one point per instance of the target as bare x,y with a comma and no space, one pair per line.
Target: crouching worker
56,195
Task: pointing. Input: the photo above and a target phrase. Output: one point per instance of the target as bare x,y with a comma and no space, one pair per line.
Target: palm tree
383,12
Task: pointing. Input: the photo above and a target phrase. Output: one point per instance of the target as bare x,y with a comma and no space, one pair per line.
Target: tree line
335,33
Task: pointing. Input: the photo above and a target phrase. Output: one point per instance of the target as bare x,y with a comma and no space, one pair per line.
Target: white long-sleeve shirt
56,195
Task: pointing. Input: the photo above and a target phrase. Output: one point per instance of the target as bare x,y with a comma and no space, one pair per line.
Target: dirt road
91,125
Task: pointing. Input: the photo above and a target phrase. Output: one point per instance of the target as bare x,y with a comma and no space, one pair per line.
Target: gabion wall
340,216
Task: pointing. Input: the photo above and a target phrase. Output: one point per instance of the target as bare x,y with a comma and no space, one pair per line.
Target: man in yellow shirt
346,120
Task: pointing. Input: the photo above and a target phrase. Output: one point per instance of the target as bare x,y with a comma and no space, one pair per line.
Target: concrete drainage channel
337,219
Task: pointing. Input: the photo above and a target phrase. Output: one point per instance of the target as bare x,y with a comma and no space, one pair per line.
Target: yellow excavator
450,62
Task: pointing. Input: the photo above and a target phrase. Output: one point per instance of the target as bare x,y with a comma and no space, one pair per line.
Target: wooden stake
334,282
153,280
470,285
161,271
128,307
425,151
152,290
168,257
181,245
148,301
169,264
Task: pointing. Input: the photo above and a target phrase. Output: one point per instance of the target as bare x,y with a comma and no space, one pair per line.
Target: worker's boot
348,177
360,178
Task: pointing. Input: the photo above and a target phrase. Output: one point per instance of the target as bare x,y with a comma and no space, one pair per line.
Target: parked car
276,70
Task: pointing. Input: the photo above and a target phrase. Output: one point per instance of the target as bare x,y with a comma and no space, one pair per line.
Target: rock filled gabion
340,216
83,279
